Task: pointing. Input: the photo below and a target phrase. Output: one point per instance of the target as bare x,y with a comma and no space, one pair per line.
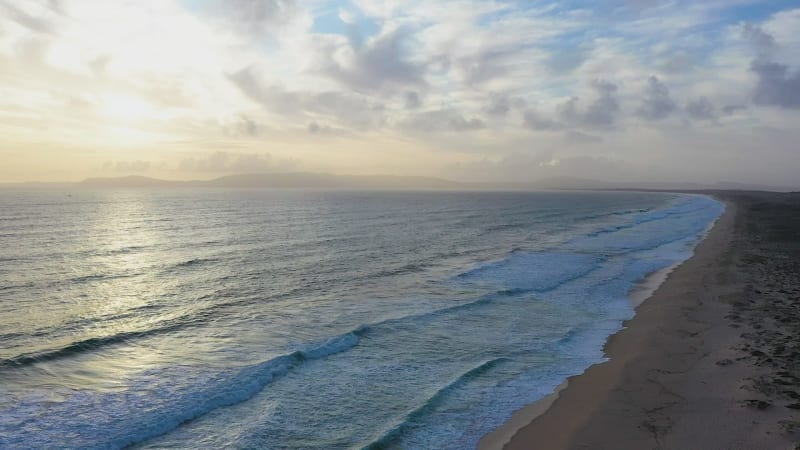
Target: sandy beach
711,360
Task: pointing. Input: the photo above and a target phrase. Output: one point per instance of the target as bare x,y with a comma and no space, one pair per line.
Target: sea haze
211,318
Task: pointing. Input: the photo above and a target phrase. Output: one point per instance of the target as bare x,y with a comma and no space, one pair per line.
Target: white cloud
450,79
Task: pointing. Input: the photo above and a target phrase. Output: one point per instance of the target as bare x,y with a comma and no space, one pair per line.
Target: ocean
204,318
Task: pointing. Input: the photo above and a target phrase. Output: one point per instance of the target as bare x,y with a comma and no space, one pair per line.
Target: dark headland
711,360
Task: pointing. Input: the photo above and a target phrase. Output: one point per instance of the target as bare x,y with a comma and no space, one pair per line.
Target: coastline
682,373
500,437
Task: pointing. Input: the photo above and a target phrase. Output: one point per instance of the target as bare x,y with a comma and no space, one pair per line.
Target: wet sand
711,360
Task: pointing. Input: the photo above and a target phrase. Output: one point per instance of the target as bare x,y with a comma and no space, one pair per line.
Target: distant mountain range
285,180
305,180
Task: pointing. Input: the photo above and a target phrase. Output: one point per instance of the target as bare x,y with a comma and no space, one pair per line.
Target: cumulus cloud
656,103
777,85
442,120
536,121
240,126
382,62
272,98
260,16
346,107
763,41
499,104
486,65
601,113
701,109
733,109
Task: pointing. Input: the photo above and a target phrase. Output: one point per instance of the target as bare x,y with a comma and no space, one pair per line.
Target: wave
533,271
193,262
396,431
646,216
402,270
124,250
77,347
205,394
519,273
222,390
503,227
694,215
195,319
17,286
90,278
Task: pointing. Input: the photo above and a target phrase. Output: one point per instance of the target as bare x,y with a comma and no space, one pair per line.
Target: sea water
303,319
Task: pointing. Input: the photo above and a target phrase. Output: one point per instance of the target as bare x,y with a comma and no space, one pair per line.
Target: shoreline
709,360
644,290
498,438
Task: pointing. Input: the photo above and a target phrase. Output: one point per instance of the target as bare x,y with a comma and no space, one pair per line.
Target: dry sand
711,360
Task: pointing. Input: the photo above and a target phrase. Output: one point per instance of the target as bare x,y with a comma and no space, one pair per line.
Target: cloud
272,98
412,100
657,103
676,63
442,120
34,16
732,109
763,41
776,86
535,121
543,165
601,113
225,162
240,126
499,105
486,65
128,167
566,60
260,17
344,107
700,109
319,129
99,64
582,138
315,128
463,77
381,63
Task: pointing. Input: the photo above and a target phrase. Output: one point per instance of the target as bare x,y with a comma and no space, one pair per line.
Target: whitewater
214,318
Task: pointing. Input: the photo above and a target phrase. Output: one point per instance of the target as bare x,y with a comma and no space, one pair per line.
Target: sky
621,90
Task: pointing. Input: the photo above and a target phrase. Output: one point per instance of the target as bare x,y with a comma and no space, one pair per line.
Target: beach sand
711,360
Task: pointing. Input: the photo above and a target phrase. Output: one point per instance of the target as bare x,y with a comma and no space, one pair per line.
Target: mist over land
304,180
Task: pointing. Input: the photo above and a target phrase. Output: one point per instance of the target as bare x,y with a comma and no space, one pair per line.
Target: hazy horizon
463,90
325,181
